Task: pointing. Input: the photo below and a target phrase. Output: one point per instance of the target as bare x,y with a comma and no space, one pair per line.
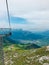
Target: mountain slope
16,56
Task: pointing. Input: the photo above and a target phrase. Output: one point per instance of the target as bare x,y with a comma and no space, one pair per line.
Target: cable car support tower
4,35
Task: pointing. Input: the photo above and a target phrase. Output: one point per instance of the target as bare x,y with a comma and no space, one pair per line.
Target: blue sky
30,15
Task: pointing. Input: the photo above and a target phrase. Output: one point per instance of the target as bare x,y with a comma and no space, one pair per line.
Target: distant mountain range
25,35
22,36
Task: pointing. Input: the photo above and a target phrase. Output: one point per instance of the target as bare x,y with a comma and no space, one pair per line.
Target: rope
8,14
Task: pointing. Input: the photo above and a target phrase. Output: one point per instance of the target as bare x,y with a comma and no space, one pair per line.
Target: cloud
22,7
32,14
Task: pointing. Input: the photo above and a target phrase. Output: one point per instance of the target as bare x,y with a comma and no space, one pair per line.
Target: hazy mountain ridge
25,35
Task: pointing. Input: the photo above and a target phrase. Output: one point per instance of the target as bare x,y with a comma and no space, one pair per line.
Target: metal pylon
1,51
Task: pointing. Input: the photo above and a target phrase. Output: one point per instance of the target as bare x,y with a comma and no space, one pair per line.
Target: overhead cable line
8,14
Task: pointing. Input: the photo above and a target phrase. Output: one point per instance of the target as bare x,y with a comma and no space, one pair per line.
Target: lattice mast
1,38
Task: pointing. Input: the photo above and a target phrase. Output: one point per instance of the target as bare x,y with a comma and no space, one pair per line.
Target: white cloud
22,7
35,11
